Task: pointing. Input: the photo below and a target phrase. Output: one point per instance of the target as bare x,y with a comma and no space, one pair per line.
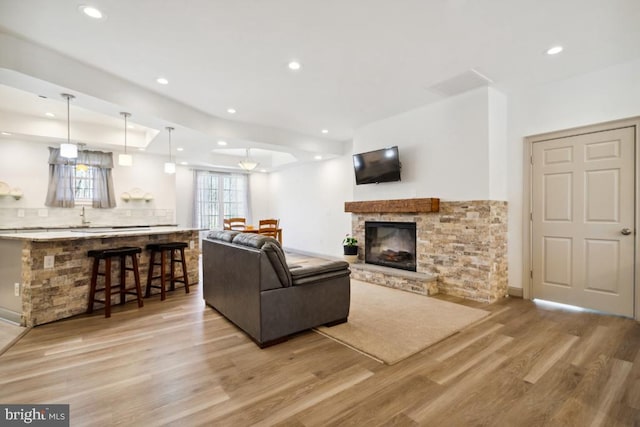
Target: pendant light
247,164
125,159
169,167
68,150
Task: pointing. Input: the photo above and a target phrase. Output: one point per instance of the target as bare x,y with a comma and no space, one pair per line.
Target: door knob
626,231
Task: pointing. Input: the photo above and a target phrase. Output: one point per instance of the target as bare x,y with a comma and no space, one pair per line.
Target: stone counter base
56,293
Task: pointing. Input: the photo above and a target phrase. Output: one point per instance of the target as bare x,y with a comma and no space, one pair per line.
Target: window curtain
61,192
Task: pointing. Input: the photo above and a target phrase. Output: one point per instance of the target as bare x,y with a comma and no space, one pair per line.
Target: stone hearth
463,243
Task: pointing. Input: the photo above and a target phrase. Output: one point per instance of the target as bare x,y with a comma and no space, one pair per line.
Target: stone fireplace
460,245
390,244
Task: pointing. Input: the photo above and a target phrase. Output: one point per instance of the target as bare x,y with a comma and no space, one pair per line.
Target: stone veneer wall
63,291
464,244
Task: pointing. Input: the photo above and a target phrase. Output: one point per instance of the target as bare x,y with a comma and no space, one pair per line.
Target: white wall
498,141
443,148
24,165
609,94
309,200
147,174
184,196
260,198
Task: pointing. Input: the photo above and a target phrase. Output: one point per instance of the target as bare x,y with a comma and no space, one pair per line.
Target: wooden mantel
394,206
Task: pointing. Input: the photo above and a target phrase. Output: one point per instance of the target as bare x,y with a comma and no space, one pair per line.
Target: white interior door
583,220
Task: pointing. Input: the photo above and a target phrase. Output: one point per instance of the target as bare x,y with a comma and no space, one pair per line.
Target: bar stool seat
109,289
162,249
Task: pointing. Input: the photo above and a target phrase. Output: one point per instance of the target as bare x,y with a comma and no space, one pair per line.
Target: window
83,184
85,180
218,196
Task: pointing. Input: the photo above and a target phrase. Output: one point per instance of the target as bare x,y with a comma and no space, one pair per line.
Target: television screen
377,166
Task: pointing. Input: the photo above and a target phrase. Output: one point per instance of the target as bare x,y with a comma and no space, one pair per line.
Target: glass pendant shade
69,151
169,167
247,164
125,160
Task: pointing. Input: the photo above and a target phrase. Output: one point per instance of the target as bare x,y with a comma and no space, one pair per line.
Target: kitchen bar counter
52,270
91,233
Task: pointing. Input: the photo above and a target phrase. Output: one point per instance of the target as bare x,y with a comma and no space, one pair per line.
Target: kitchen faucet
84,217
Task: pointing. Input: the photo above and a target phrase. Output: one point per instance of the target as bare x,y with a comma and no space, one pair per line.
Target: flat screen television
377,166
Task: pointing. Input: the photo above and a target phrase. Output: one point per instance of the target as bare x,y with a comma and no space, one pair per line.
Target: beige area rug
391,325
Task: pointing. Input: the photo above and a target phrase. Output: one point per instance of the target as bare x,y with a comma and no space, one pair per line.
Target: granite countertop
73,227
94,233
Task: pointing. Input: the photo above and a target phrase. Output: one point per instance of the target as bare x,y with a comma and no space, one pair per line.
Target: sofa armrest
314,273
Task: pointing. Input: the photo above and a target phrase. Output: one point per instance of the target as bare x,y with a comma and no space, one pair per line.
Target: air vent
470,79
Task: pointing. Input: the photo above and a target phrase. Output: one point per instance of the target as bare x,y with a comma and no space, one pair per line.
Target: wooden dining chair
237,224
269,227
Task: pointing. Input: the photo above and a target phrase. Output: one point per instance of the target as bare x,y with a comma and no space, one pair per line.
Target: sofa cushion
272,249
313,270
278,262
224,235
253,240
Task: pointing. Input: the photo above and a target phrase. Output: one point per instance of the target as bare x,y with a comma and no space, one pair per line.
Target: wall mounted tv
377,166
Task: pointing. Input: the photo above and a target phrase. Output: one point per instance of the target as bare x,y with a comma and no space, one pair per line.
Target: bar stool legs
110,289
163,249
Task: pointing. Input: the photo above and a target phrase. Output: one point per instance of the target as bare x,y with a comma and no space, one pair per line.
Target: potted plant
350,245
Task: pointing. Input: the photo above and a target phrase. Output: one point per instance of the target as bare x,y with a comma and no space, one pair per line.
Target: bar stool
162,249
107,255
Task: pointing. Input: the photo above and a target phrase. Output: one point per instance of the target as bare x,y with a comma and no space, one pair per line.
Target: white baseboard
514,292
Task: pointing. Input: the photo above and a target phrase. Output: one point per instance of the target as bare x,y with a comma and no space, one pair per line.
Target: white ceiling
362,60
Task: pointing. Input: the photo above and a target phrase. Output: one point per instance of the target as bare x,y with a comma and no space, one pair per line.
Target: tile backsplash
71,217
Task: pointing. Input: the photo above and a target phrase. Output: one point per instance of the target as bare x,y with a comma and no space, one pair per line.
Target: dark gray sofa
246,278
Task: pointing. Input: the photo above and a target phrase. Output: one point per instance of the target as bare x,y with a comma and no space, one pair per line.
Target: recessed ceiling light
222,142
179,149
140,148
184,163
325,131
231,110
49,114
91,12
6,133
263,170
130,127
554,50
318,157
294,65
162,81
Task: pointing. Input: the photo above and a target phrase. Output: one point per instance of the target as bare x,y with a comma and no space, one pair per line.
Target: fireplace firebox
391,244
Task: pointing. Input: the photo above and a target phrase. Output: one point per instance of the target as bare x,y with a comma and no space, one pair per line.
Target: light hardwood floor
180,363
